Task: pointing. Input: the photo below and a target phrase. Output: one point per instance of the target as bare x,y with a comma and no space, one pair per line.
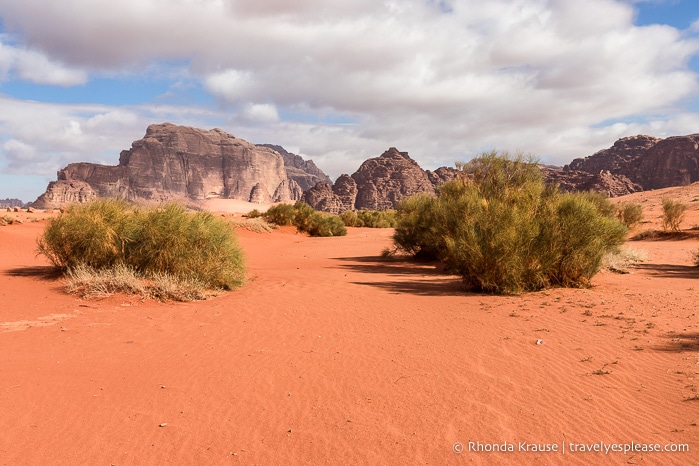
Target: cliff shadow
419,278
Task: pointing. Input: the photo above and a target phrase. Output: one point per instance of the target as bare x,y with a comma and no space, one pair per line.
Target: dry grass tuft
620,261
120,278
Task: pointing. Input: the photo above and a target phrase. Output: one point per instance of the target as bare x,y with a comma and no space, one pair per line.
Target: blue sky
341,81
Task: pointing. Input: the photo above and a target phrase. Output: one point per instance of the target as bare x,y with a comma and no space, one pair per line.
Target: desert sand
331,355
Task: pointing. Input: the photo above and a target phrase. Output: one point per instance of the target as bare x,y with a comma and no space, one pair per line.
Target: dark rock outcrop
304,172
650,162
178,163
604,181
335,198
442,175
385,180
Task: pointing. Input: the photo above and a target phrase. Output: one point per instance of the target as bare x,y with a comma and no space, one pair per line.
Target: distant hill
651,162
5,203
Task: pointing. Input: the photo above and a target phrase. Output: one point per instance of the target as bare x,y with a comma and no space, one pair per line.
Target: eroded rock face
179,163
379,184
304,172
604,181
333,198
650,162
385,180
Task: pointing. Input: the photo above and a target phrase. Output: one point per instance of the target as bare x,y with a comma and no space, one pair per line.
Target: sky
341,81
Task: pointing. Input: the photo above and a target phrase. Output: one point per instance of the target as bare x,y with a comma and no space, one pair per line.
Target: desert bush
504,230
377,218
351,219
673,214
188,246
280,214
320,224
155,242
254,213
602,202
304,216
369,218
94,234
695,257
306,219
417,232
630,213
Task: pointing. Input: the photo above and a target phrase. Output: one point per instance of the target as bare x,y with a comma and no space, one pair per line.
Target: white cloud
30,65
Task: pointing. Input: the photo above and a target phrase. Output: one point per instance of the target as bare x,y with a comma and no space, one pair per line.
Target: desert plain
330,354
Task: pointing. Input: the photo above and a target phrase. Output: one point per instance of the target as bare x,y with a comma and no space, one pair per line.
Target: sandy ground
330,355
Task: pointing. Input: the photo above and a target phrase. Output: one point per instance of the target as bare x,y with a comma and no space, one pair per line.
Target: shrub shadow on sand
424,279
44,272
669,270
680,343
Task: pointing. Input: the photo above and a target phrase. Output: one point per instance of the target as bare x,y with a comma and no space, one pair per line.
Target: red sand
331,355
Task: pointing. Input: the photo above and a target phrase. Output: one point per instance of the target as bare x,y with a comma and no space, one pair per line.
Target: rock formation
378,184
385,180
335,198
604,181
179,163
304,172
11,203
650,162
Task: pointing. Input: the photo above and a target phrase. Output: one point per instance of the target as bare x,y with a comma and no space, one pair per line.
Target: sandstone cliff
179,163
650,162
304,172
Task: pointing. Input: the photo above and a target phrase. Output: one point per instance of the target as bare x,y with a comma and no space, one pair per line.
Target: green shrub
673,214
504,230
630,213
280,214
369,218
188,246
320,224
304,216
605,206
96,234
253,214
306,219
169,241
351,219
417,232
377,218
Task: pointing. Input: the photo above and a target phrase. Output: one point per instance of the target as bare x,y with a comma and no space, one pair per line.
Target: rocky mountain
304,172
648,161
4,203
604,181
378,184
179,163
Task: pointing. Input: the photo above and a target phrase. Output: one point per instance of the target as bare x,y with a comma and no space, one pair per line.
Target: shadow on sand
424,279
669,270
44,272
680,343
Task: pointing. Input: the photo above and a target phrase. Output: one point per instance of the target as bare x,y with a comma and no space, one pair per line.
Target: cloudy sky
339,81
